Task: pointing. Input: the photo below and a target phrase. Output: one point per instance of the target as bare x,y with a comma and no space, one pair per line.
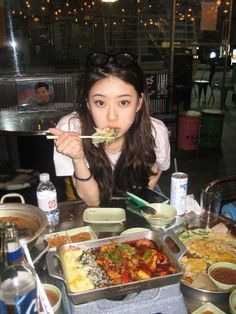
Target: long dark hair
133,167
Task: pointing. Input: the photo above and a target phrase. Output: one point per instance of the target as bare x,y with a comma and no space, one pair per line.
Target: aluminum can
178,191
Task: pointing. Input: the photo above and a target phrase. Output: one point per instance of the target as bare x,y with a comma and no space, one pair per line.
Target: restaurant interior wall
53,38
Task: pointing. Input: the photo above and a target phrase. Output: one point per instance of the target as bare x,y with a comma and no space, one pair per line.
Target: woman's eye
124,103
99,103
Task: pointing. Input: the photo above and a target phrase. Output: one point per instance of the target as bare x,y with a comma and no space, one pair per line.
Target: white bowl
219,284
232,302
104,215
134,230
54,297
165,214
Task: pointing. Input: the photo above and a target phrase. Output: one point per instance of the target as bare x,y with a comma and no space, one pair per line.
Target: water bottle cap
44,177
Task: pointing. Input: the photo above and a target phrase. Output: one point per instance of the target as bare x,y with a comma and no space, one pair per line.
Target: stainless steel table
29,120
26,120
71,214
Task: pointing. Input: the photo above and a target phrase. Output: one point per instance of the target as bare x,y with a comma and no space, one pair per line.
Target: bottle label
14,255
27,303
47,200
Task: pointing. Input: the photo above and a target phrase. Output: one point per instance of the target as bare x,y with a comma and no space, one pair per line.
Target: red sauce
79,237
52,298
224,275
207,312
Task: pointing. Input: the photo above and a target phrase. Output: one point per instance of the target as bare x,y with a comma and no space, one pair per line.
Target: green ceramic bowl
223,265
165,214
232,302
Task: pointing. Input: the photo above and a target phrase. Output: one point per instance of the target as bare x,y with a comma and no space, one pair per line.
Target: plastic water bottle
47,200
18,279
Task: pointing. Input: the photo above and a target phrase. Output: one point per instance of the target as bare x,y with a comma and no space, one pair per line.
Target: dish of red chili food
134,260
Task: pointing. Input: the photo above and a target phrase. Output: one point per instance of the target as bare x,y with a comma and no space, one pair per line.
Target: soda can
178,191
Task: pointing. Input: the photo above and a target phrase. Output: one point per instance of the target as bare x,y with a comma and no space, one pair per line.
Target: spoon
148,210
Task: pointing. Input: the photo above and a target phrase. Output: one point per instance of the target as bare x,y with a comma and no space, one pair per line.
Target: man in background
43,95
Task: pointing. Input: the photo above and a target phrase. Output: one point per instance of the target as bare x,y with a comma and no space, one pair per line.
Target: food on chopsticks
205,247
107,135
114,263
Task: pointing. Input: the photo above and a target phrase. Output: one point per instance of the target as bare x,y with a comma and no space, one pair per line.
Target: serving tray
168,242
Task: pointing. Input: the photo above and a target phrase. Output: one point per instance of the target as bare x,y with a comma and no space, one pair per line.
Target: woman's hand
68,143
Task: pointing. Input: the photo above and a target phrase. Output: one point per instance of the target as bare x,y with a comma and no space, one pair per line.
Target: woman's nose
112,114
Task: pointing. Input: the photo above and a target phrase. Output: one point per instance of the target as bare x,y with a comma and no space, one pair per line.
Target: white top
70,122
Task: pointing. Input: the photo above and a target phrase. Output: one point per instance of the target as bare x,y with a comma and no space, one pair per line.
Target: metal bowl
30,220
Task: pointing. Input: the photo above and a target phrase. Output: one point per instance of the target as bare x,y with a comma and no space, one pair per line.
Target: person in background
112,94
43,95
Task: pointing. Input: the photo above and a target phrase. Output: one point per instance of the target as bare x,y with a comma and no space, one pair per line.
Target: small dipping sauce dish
223,274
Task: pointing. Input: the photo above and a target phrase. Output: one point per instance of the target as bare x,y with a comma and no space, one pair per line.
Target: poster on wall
151,85
32,92
157,85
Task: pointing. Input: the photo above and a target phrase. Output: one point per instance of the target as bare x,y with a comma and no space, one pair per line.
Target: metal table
71,213
29,120
26,120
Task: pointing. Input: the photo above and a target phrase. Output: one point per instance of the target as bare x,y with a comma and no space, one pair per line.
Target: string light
186,10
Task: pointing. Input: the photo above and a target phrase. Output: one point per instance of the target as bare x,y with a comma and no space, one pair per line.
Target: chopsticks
54,137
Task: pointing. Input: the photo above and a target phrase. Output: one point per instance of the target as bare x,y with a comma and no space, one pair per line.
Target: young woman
112,94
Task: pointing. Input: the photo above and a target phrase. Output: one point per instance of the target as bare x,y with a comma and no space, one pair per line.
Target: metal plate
217,297
202,295
167,242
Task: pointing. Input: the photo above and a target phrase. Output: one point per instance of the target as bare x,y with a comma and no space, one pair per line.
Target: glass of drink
210,203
